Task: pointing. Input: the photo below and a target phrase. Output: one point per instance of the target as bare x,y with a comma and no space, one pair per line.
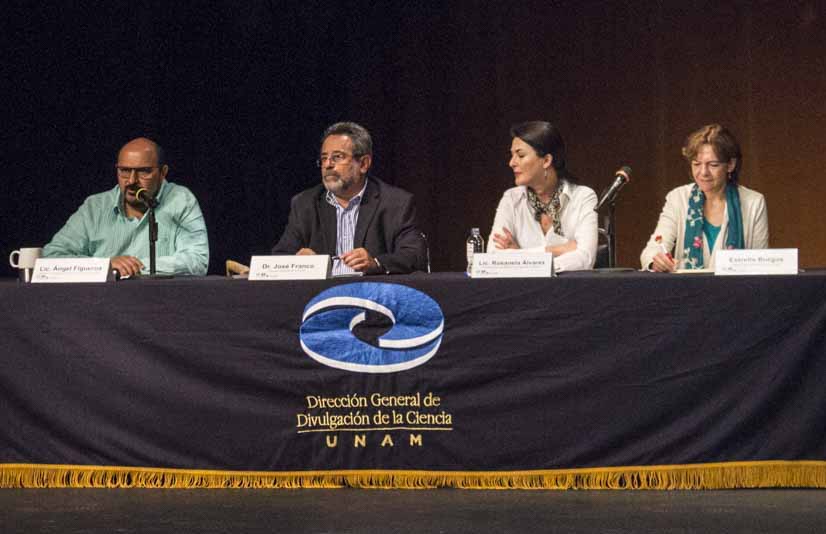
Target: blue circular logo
327,327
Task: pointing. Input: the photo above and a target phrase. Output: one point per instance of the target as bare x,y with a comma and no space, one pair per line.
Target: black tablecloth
593,371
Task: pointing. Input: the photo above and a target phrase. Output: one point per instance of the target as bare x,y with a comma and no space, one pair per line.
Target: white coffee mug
25,257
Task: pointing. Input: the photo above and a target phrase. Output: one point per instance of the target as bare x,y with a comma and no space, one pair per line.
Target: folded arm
585,236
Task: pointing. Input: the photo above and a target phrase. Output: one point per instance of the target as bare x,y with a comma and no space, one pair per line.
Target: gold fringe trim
728,475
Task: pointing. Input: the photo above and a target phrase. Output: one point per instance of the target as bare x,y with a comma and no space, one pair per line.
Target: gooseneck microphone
146,197
621,177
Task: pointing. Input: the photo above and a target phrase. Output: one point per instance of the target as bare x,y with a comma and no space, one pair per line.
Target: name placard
290,267
70,270
756,261
513,265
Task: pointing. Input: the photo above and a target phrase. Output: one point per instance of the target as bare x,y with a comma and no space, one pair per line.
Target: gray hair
362,143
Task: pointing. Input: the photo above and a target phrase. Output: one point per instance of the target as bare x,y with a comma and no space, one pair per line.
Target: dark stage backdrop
239,92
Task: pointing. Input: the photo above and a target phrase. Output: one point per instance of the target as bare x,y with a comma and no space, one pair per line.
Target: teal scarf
693,242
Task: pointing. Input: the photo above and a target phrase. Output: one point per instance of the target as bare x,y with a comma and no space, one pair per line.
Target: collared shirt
101,229
346,219
577,219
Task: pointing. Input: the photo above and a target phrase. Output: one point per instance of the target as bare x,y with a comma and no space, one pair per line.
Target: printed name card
756,261
70,270
513,265
290,267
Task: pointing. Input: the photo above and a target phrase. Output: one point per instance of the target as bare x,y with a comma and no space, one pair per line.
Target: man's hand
305,252
360,260
126,265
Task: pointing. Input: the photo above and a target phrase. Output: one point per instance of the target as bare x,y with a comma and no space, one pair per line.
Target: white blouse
577,219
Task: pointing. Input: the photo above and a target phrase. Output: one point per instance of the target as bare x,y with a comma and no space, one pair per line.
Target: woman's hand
663,264
505,240
559,250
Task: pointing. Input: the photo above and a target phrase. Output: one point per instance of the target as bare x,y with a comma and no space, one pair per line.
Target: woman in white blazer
711,213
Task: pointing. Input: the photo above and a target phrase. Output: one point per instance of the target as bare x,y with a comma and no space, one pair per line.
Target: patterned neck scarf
693,242
552,208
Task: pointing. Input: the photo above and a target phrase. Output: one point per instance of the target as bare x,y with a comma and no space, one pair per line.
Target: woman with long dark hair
547,211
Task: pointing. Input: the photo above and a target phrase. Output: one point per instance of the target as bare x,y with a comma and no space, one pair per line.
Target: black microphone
146,197
621,177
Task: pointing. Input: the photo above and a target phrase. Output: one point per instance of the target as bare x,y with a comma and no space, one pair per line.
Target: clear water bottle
474,244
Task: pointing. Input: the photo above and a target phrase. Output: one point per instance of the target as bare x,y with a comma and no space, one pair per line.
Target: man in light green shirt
113,224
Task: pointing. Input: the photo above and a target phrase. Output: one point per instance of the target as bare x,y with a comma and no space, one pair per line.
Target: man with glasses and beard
114,224
366,225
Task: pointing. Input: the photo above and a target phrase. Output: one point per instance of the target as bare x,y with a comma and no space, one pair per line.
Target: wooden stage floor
403,511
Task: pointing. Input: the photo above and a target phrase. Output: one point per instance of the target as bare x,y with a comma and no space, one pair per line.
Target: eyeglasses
335,158
141,172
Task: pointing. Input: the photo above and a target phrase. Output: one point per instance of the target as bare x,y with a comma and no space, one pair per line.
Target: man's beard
133,200
337,184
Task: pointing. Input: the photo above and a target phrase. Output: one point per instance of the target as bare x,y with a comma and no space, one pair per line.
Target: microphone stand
609,231
153,238
427,250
